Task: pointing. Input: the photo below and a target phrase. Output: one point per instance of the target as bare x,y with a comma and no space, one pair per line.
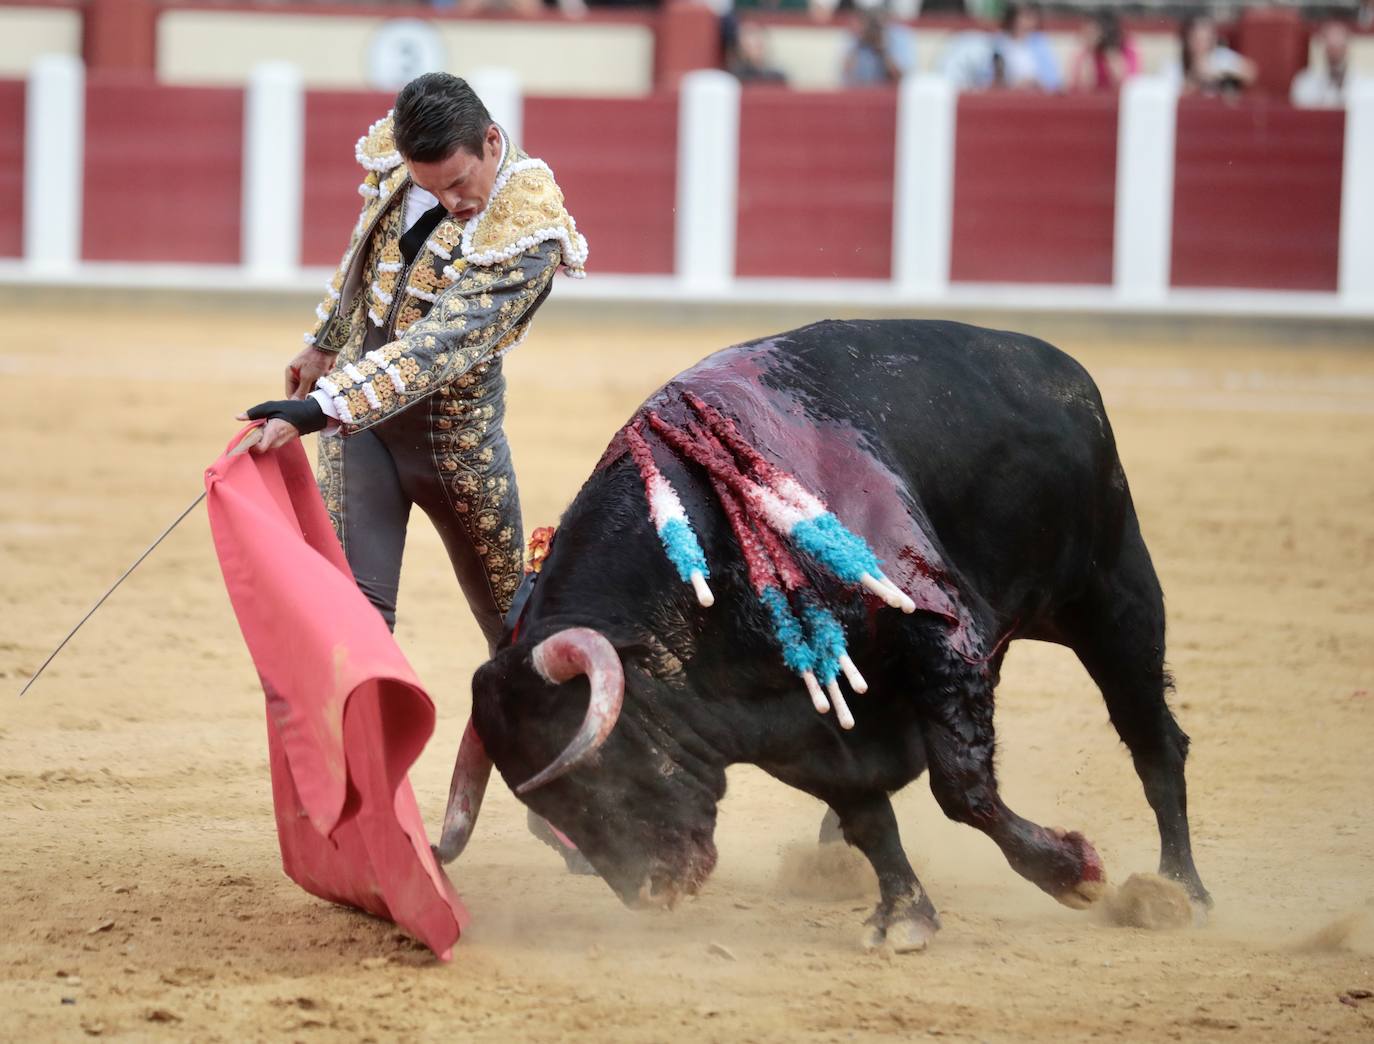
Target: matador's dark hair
437,113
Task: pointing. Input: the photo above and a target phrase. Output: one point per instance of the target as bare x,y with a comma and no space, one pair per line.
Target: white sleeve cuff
326,402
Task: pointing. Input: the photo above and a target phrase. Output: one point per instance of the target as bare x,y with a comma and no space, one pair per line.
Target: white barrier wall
223,47
708,179
273,171
26,33
1357,199
1144,189
924,185
54,148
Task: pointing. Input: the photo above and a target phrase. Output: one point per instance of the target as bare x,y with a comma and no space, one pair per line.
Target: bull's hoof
1188,878
911,935
1083,895
874,936
908,928
1091,885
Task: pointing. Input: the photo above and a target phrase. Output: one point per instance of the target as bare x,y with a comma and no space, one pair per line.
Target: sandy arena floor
142,893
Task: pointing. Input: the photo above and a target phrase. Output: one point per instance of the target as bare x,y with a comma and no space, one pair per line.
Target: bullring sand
142,893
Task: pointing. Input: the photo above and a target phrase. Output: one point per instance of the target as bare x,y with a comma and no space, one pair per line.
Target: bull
980,466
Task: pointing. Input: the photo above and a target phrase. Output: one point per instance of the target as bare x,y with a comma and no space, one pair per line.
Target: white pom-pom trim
377,320
309,339
389,161
371,396
354,372
328,387
341,408
397,381
382,295
574,244
368,191
438,251
321,312
389,266
423,295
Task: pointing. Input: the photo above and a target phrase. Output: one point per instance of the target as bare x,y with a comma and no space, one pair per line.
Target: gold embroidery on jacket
480,495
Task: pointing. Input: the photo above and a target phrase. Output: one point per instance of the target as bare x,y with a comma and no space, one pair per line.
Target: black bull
981,467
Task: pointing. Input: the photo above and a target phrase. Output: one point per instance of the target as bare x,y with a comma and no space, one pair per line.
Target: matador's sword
248,442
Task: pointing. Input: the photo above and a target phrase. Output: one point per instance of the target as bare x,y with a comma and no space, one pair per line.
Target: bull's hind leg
905,919
957,710
1117,631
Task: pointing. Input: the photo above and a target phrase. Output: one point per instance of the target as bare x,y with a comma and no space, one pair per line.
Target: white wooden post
500,92
273,171
923,185
707,180
1146,126
54,162
1356,279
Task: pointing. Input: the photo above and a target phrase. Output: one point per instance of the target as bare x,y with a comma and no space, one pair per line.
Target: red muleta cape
346,716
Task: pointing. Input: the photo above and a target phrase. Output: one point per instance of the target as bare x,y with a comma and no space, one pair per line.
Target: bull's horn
470,774
565,655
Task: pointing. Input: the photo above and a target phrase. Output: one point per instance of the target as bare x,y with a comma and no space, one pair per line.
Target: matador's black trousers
447,455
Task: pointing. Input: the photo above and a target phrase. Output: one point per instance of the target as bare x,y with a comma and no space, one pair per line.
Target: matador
456,247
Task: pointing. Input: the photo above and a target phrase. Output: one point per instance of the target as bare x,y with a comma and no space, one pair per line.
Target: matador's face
461,181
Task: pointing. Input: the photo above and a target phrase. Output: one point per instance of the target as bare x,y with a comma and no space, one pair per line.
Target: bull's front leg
959,747
905,918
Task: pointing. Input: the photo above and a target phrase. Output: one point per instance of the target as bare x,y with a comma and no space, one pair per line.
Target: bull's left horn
471,771
565,655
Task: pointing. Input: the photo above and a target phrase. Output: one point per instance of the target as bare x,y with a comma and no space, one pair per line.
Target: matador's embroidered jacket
467,298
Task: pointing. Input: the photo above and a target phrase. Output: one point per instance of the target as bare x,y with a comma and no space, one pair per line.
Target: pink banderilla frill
770,513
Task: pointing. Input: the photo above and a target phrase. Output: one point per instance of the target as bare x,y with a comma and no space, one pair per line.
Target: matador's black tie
419,232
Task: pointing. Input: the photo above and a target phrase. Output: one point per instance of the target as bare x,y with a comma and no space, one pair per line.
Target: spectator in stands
746,52
526,8
1205,65
966,61
880,53
1324,87
1107,58
1021,56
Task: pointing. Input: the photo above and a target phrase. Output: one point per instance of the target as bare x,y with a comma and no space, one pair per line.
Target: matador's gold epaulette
526,209
376,150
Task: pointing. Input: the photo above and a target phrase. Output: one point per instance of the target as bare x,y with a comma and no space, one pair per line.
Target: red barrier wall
163,172
815,183
1034,189
616,160
334,121
11,168
1257,196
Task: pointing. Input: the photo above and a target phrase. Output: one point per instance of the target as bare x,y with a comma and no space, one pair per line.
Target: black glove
304,415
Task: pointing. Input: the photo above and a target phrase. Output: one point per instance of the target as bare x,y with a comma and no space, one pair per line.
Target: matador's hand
286,419
305,369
